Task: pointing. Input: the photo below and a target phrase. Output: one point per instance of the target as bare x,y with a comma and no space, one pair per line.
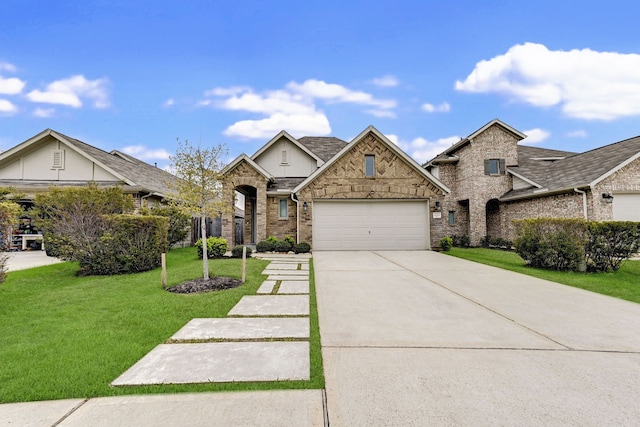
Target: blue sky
137,75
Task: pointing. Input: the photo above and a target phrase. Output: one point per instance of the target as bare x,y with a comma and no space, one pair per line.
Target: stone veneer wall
626,180
345,179
467,180
244,174
281,227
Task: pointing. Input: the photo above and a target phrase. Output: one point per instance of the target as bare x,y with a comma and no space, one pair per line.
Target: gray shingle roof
139,173
285,183
574,171
322,146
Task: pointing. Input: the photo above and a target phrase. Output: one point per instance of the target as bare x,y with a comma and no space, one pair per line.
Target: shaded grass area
63,336
624,283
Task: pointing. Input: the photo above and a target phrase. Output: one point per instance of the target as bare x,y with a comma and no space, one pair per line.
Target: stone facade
471,189
345,179
244,177
277,226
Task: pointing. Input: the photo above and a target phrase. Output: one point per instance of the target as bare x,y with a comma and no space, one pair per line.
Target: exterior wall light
438,207
305,206
608,198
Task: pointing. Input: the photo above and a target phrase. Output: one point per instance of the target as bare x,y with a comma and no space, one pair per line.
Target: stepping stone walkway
264,338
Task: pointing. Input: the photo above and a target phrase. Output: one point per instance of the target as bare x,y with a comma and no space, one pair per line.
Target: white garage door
626,207
370,225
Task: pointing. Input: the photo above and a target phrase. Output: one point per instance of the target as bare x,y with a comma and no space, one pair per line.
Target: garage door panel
626,207
370,225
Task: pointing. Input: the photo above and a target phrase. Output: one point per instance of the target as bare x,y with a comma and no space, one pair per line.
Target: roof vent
57,159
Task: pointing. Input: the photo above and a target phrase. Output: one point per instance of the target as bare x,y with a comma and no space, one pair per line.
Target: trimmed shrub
179,221
264,246
216,247
290,240
462,241
302,248
236,252
446,243
610,243
557,244
131,244
272,239
282,246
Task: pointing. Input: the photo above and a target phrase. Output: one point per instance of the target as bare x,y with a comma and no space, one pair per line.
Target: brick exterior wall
244,175
470,188
626,180
345,179
281,227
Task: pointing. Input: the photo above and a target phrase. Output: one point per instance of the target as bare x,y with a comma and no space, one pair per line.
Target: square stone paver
220,362
244,328
294,287
266,287
284,276
301,273
272,305
283,266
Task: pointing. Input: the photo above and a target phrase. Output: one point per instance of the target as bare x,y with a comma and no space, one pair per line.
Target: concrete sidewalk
29,259
422,338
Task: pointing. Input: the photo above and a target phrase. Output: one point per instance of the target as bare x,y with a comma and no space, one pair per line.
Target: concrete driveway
422,338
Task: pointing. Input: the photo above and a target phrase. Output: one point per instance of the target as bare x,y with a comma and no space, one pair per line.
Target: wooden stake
164,270
244,262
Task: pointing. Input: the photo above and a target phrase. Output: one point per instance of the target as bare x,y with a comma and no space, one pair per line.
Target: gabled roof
128,169
284,134
390,145
254,165
324,147
582,170
464,141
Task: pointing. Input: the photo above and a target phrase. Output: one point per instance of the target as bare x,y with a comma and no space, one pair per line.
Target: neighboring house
494,181
53,159
365,194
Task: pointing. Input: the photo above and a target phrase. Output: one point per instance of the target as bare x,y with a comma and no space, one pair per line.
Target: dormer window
285,158
494,167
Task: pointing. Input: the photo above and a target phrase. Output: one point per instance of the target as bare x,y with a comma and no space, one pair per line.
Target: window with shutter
495,167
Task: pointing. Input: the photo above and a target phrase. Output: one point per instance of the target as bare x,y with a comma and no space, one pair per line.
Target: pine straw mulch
205,285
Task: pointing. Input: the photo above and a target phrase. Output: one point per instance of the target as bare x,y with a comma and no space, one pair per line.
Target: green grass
63,336
624,283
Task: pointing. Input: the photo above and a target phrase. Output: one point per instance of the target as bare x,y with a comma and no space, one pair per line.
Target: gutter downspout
293,197
584,201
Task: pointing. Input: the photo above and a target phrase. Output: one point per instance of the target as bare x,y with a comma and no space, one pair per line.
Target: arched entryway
494,222
248,235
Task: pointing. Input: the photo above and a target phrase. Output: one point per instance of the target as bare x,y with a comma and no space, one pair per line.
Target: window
494,167
369,166
285,159
452,217
283,209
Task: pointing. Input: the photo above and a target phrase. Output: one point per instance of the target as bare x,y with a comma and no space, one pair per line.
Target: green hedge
236,252
131,244
216,247
576,244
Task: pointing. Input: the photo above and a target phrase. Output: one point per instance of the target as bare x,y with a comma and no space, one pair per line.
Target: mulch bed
205,285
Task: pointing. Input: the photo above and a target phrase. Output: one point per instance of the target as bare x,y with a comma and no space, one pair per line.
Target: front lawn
63,336
624,283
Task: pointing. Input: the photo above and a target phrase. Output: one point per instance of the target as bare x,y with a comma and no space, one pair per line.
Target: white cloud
421,149
337,93
296,124
5,66
586,84
536,135
71,91
44,112
6,107
383,114
144,153
386,81
577,134
168,103
11,86
292,108
442,108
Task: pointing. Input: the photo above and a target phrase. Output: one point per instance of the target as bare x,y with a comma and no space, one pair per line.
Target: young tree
199,189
